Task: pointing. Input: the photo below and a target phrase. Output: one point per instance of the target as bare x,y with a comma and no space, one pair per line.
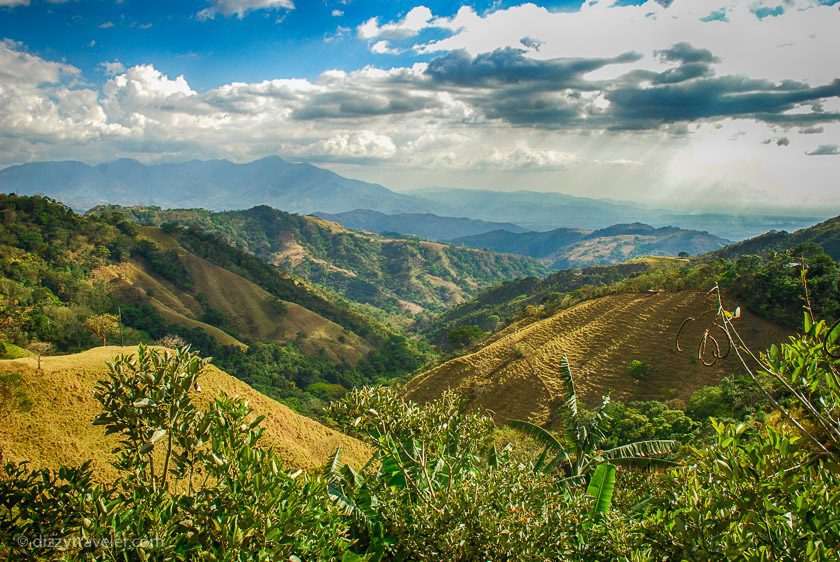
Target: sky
688,104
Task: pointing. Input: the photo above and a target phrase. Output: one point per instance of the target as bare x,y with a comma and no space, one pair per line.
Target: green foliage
165,263
639,370
465,336
756,494
12,351
437,488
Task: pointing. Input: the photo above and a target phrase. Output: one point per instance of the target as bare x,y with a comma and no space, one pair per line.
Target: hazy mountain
565,248
535,210
304,188
212,184
425,225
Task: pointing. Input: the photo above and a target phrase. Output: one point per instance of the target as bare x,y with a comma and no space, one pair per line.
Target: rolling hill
57,430
514,374
424,225
400,276
566,248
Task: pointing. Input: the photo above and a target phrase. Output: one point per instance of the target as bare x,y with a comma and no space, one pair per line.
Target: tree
581,451
40,348
102,325
683,254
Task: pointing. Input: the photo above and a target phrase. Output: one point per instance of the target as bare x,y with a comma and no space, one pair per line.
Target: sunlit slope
58,427
516,375
248,310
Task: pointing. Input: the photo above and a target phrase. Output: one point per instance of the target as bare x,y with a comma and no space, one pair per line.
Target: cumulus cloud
416,20
383,47
825,150
13,3
240,8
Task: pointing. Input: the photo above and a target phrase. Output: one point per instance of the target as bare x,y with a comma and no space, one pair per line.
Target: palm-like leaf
568,386
538,434
333,465
641,449
601,488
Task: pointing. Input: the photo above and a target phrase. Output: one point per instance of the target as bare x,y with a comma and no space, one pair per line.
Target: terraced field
58,427
516,374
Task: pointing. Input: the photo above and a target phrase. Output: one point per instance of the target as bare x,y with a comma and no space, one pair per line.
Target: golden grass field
516,375
57,430
249,309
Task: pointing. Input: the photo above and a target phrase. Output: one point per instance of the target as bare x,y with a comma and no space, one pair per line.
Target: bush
638,369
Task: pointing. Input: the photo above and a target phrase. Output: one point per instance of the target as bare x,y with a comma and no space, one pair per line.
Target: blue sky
260,45
698,104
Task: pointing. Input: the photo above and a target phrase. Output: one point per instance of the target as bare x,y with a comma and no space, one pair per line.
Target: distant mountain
565,248
535,210
396,275
212,184
825,234
425,225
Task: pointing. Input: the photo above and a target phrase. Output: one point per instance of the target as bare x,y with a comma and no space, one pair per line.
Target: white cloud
106,25
112,68
337,13
383,47
240,8
415,20
13,3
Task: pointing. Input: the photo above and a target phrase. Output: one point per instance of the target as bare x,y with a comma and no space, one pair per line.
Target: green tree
102,325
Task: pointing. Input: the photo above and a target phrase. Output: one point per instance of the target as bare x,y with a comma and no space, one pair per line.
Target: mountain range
424,225
304,188
566,248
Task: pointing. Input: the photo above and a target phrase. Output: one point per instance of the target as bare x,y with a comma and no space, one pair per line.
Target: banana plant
579,451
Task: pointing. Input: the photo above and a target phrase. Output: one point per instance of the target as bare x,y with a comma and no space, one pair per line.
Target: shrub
639,370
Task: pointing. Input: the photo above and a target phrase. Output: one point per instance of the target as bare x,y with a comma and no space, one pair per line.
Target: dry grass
249,310
516,375
58,429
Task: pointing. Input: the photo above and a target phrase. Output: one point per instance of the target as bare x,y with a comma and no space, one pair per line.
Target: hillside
424,225
295,342
396,275
825,234
231,301
565,248
212,184
515,374
58,427
497,306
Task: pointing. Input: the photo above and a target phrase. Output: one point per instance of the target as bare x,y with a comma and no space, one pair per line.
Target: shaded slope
58,428
425,225
826,234
515,373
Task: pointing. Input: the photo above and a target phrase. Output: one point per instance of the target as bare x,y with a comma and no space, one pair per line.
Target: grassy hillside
497,306
57,429
232,301
515,374
59,270
394,274
566,248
